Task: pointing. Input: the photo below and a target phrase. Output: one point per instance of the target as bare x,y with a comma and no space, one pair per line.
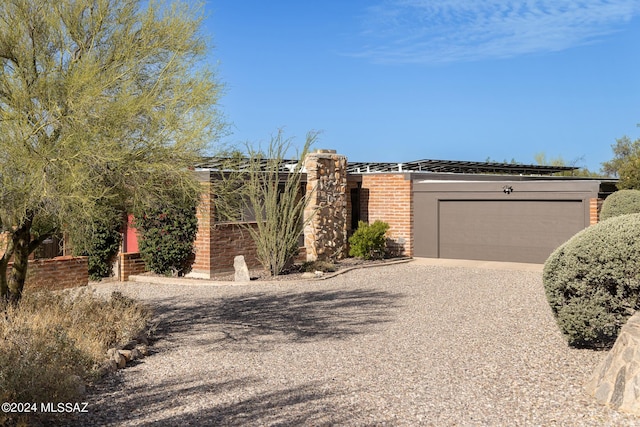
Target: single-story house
436,209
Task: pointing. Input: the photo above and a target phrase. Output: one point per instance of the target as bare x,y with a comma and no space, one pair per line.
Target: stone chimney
325,232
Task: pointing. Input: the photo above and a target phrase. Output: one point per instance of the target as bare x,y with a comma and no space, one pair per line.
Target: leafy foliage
621,202
592,281
104,247
369,240
99,241
98,99
625,163
167,232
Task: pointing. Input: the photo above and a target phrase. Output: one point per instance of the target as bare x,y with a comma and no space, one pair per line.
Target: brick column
388,199
594,210
325,232
204,239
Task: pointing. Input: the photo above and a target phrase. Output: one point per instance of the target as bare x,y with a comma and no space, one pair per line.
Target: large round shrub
592,281
621,202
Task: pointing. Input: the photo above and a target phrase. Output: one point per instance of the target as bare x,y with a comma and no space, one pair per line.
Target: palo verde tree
102,103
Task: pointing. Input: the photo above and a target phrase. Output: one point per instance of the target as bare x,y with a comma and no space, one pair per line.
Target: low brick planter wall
131,263
56,273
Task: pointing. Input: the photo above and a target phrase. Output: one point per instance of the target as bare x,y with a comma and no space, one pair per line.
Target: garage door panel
498,230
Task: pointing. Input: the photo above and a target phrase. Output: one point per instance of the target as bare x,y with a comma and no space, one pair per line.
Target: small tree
625,163
271,188
97,99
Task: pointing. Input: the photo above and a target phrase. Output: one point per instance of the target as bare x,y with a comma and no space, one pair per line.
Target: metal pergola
225,164
452,166
436,166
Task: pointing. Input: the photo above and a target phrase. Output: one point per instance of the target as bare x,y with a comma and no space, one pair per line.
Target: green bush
167,233
592,281
369,240
99,240
621,202
102,250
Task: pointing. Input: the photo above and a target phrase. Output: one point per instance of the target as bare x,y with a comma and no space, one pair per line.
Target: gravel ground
398,345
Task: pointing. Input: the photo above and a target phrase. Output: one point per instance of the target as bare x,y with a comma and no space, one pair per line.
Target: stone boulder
616,382
241,269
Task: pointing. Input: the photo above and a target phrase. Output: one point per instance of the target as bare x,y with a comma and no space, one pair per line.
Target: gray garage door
515,230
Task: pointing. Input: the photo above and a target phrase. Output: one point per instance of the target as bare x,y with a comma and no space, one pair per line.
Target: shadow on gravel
261,318
166,405
245,323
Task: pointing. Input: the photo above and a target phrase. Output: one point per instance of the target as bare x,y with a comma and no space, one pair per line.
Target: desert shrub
278,206
592,281
324,266
51,343
167,232
621,202
369,240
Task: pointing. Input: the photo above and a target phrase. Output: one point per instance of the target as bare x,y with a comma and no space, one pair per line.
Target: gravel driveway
407,344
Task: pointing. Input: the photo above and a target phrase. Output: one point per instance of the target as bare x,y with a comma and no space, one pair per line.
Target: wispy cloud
436,31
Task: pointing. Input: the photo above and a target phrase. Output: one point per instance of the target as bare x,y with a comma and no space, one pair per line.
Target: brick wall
56,273
387,197
218,243
231,240
595,205
130,263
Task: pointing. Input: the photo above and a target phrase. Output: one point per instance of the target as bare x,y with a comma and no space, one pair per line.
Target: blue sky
401,80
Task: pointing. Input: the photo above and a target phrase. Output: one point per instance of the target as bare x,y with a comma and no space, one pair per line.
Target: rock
616,382
111,352
135,354
120,360
126,354
130,345
142,339
143,350
242,271
308,275
318,273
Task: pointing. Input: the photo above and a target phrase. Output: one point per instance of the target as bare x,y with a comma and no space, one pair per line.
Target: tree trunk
4,263
4,288
21,238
